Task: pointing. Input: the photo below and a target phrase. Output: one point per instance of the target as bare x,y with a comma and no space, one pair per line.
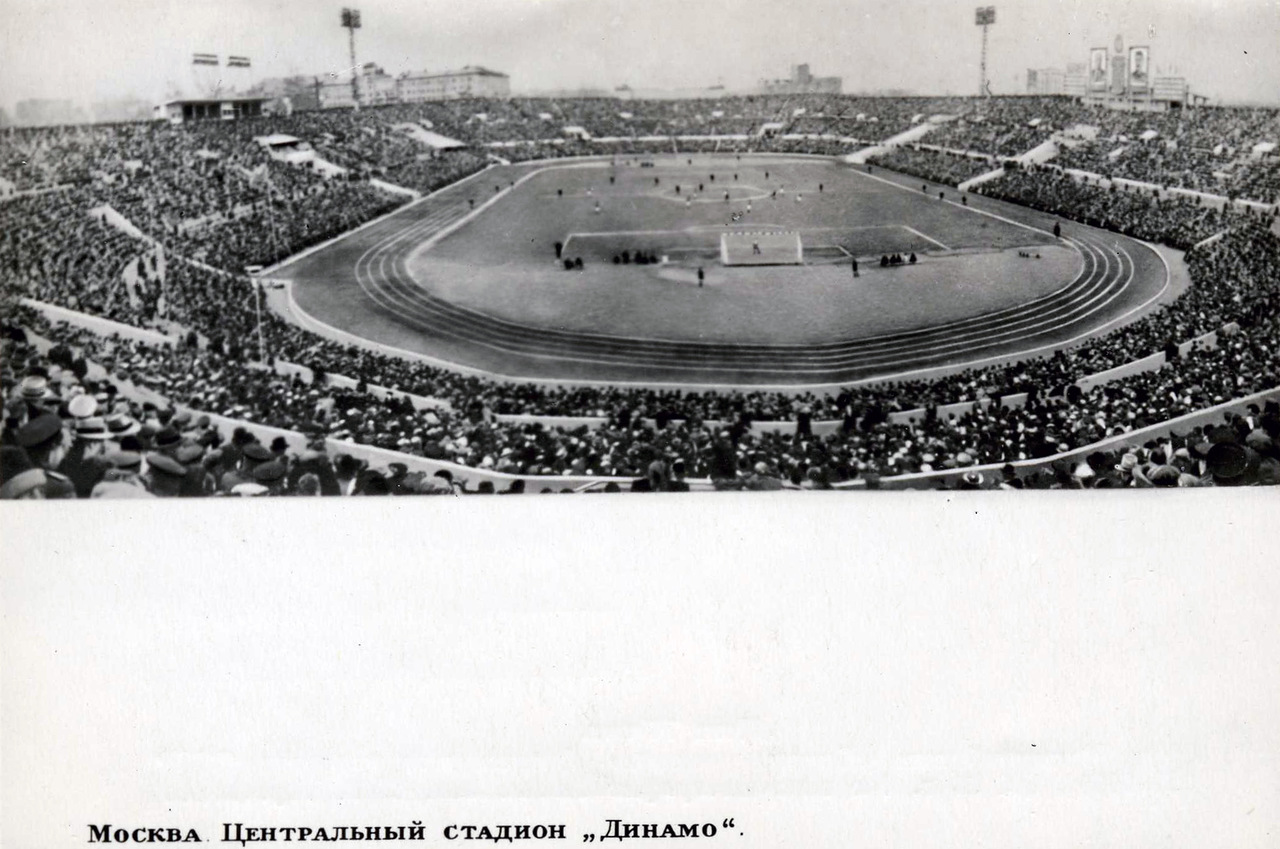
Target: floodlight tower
351,21
985,17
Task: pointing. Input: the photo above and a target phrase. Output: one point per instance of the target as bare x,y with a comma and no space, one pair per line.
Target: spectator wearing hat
45,442
167,440
676,481
197,481
1227,463
82,406
36,393
252,455
124,463
85,461
121,425
19,477
371,482
396,474
346,471
124,479
762,478
271,474
315,462
116,488
165,475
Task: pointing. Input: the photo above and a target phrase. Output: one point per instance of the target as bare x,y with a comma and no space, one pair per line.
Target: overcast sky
96,49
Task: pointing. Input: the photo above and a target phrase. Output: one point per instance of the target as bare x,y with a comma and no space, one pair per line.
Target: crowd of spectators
252,209
1236,274
207,191
1208,149
1144,214
937,166
1007,126
1217,172
1191,148
52,250
1237,128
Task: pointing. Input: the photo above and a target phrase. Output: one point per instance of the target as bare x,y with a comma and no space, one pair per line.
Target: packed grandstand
139,359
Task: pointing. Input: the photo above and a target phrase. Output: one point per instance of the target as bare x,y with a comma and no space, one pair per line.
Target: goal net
762,248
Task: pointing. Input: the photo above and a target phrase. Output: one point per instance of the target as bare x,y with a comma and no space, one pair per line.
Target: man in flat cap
198,482
45,442
252,455
271,474
165,475
167,440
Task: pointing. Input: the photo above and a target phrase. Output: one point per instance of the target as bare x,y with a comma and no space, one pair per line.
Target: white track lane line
402,235
387,287
861,361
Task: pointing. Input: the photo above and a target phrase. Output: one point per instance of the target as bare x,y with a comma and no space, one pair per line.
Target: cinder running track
1118,280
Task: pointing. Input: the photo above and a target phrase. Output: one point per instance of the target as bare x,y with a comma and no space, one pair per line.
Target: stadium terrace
189,311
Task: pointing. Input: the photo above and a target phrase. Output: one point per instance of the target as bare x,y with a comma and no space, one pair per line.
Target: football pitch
504,264
471,275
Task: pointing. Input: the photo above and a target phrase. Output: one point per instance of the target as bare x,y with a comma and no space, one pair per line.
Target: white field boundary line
903,188
912,374
711,196
537,355
306,252
410,311
472,215
741,228
386,295
1168,272
709,247
926,238
386,289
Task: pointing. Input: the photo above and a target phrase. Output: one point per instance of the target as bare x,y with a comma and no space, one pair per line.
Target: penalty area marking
739,228
923,236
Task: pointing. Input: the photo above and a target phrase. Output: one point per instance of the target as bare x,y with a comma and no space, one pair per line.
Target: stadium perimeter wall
1182,424
100,326
925,480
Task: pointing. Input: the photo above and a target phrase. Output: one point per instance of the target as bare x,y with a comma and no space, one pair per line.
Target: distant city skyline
98,50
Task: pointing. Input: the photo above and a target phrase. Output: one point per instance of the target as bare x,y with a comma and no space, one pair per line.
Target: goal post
770,247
